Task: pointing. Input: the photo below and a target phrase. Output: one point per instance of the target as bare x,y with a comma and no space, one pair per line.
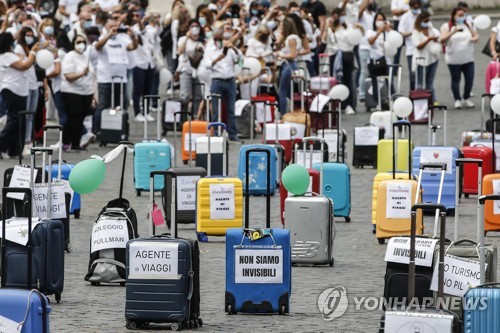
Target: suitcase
366,139
334,141
418,316
384,119
170,293
422,102
280,134
150,155
491,185
323,83
171,117
480,134
383,92
214,148
470,171
264,105
28,308
385,155
257,161
114,121
191,130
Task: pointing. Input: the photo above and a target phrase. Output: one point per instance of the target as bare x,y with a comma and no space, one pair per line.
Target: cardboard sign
496,190
398,251
258,266
9,326
284,132
186,192
318,103
112,120
172,107
41,200
330,137
459,275
154,260
109,233
437,155
20,178
404,322
366,136
194,136
16,229
222,206
420,109
398,200
259,112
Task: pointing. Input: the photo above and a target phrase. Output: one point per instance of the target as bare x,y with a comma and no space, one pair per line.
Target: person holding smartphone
459,38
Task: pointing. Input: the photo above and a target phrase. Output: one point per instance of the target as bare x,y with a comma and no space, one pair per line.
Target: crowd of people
106,48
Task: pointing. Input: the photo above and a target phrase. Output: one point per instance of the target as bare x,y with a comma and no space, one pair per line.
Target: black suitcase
159,295
365,145
114,126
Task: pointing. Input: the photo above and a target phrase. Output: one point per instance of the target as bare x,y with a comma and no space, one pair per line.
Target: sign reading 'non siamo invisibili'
258,266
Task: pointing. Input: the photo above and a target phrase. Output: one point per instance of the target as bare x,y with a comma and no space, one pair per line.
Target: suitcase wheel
122,284
68,246
466,196
95,283
332,262
58,298
282,310
230,310
77,214
202,237
175,327
200,322
381,241
185,162
138,193
131,325
347,219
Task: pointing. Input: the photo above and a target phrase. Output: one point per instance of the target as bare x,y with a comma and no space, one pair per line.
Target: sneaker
56,146
66,147
149,117
234,139
153,109
468,103
458,104
140,118
87,139
471,94
349,110
27,149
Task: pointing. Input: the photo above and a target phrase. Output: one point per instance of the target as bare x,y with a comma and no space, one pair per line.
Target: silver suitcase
312,226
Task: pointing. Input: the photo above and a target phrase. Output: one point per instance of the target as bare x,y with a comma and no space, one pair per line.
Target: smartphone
122,30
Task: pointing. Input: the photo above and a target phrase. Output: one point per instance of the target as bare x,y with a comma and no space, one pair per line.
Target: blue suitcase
29,307
431,179
257,167
337,186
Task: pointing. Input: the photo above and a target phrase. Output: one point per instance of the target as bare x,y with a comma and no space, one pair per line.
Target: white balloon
44,58
435,48
402,107
355,36
253,64
165,76
390,49
395,38
339,92
482,22
495,103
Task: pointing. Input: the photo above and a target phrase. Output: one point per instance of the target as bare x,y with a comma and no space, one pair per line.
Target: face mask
271,25
254,12
87,24
460,20
99,26
424,24
218,44
415,11
195,31
281,18
227,35
80,47
208,34
342,19
48,30
296,13
202,21
29,40
379,24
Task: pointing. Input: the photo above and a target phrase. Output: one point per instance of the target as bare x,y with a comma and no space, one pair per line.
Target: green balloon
87,176
295,179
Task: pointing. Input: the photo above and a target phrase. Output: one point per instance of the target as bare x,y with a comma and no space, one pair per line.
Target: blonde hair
45,22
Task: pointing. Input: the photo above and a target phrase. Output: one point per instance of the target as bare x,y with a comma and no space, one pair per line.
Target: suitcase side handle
247,185
173,208
461,161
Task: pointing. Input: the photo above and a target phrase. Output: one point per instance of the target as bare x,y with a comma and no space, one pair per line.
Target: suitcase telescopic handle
216,124
440,166
322,141
402,124
442,239
27,191
173,207
247,185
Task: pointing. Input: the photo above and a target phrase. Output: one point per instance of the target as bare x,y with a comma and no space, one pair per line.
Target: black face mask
372,7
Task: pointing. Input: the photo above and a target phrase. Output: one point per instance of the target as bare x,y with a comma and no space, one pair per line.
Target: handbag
487,50
378,67
196,58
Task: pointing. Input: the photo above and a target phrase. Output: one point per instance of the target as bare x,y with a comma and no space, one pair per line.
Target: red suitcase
487,155
420,115
264,98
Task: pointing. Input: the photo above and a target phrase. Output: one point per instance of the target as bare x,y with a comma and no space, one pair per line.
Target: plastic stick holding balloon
402,107
338,93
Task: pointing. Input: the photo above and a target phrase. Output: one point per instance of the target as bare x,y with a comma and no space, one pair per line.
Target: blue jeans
455,73
364,56
284,84
31,105
104,93
411,72
430,74
143,81
227,89
155,86
59,103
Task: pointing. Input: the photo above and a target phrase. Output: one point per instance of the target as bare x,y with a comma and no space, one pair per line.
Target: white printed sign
67,189
420,109
284,132
20,178
318,103
366,136
222,206
398,200
194,136
459,275
437,155
258,266
172,107
316,158
16,229
298,131
112,120
9,326
186,192
259,112
330,136
109,233
239,106
398,251
496,190
153,260
41,201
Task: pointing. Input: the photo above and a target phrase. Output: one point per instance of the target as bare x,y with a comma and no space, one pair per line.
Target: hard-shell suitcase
422,102
491,185
170,107
214,148
165,290
385,154
191,130
150,155
25,311
366,140
334,139
114,121
470,171
257,169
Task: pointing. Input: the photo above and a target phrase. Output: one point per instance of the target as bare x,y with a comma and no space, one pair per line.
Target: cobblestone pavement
359,264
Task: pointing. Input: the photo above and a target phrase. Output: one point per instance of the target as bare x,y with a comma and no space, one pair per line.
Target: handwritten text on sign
153,260
186,192
398,250
459,275
398,200
41,202
222,202
109,233
16,230
258,266
20,178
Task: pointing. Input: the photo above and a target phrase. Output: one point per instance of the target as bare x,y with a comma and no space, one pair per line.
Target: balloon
402,107
435,48
482,22
165,76
355,36
295,179
495,103
390,49
44,58
395,38
253,64
87,176
340,92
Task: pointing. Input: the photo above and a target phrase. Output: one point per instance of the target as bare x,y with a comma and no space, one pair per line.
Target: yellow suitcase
219,206
384,155
394,202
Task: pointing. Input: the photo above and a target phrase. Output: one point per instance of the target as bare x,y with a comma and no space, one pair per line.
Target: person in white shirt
258,47
459,38
425,38
366,17
223,55
398,8
406,25
494,40
67,8
107,5
84,22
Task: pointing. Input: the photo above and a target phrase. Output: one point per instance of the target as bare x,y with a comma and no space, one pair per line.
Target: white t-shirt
428,52
377,48
224,68
352,11
367,22
10,77
286,48
399,4
75,62
342,37
112,60
459,47
56,80
496,30
406,25
30,74
71,7
190,48
107,5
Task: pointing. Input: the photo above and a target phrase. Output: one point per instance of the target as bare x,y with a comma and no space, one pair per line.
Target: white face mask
227,35
80,47
379,24
195,31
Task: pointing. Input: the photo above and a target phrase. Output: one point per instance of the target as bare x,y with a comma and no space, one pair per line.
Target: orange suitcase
198,129
491,183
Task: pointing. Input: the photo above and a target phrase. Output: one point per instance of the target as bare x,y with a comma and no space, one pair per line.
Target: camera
122,30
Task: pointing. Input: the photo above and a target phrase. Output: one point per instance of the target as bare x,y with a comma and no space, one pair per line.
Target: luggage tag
157,216
255,234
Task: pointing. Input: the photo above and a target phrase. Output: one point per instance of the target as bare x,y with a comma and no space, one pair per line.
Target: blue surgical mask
99,26
208,34
202,21
254,12
460,20
87,24
415,11
29,40
48,30
271,25
425,24
342,19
